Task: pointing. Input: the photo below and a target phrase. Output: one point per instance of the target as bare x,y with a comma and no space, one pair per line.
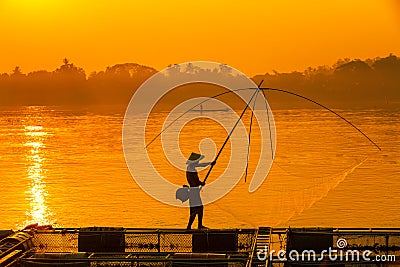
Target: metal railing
167,247
138,239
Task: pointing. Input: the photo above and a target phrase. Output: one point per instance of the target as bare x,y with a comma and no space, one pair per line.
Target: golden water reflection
36,194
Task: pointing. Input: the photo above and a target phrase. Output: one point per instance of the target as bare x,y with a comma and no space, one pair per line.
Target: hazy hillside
348,83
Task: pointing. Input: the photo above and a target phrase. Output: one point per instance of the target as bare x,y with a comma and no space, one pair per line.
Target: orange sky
252,36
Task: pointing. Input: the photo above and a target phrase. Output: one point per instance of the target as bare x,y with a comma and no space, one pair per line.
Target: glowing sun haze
253,36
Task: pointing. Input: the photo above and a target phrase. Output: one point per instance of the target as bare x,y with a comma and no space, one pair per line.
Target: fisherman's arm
205,164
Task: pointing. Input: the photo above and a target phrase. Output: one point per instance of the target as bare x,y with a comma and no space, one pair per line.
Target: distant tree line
348,83
69,85
372,83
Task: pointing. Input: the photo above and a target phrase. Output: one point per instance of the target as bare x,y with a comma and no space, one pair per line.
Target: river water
65,166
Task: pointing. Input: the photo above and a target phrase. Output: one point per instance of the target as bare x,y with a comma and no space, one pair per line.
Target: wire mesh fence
327,246
56,241
140,247
231,247
140,240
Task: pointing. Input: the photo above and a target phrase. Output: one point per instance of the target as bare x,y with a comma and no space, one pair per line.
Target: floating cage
106,246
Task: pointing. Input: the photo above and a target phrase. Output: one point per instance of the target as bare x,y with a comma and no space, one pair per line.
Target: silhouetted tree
17,71
348,83
121,78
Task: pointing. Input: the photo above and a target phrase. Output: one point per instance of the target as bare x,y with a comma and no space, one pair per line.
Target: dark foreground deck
265,246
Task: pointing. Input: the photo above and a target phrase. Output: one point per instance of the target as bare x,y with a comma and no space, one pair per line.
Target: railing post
159,240
387,244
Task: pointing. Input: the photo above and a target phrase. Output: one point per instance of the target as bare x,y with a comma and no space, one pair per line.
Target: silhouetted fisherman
196,205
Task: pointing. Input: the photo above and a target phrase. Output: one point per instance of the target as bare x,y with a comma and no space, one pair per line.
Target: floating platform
265,246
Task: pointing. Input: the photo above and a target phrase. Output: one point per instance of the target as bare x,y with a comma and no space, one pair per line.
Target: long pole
230,133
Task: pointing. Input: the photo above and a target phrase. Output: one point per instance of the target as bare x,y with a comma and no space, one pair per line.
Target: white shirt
192,165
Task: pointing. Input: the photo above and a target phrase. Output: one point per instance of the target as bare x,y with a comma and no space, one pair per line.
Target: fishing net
293,157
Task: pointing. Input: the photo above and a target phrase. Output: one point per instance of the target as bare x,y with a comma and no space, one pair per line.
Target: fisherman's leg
191,217
200,218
